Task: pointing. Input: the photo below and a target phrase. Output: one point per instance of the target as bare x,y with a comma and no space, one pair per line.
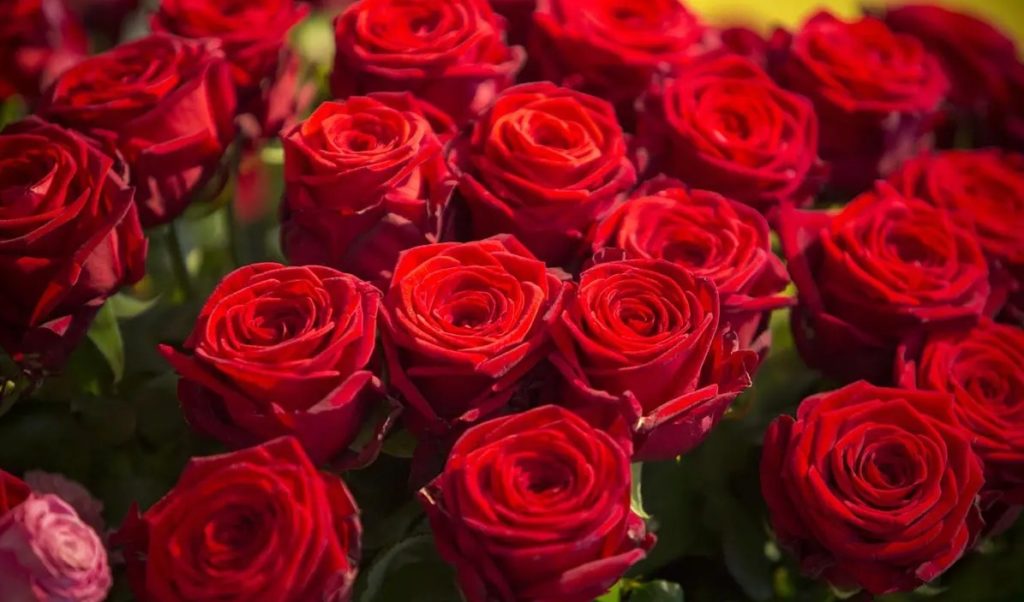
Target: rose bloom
885,267
48,554
87,507
983,369
69,239
13,491
536,506
543,164
257,524
876,92
463,324
450,53
282,350
38,40
253,35
612,48
872,487
165,104
365,179
641,339
724,125
713,237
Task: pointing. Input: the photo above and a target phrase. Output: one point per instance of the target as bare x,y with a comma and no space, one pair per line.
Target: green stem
177,257
234,236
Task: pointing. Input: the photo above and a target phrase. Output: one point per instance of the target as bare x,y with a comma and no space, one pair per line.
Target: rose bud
257,524
536,506
611,49
983,369
876,92
450,53
724,125
38,40
641,339
48,554
712,237
13,491
463,323
885,267
69,239
253,35
871,487
543,164
164,103
365,179
282,350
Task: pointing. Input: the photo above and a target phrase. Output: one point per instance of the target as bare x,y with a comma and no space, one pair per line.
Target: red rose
872,487
611,48
13,491
1007,123
253,36
724,125
746,43
166,104
69,239
882,269
463,324
641,337
518,16
536,507
257,524
544,163
38,40
876,92
365,179
282,350
450,53
983,368
711,236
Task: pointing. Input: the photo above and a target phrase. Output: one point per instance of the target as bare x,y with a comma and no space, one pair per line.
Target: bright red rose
882,269
450,53
257,524
536,506
165,103
612,48
873,487
983,368
711,236
463,324
543,164
365,179
13,491
253,35
724,125
69,239
641,338
282,351
38,40
876,92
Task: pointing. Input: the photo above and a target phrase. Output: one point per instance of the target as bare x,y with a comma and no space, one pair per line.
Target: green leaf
126,306
613,595
636,500
743,547
400,444
106,335
410,570
656,591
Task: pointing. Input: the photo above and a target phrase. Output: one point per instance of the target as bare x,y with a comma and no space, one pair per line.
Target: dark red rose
544,163
724,125
450,53
518,16
983,368
13,491
165,103
1007,122
536,506
711,236
746,43
257,524
253,36
365,179
876,92
69,239
282,350
885,267
642,338
872,487
463,324
611,48
38,40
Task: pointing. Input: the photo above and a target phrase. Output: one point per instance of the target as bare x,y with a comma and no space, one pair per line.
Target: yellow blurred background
1008,15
